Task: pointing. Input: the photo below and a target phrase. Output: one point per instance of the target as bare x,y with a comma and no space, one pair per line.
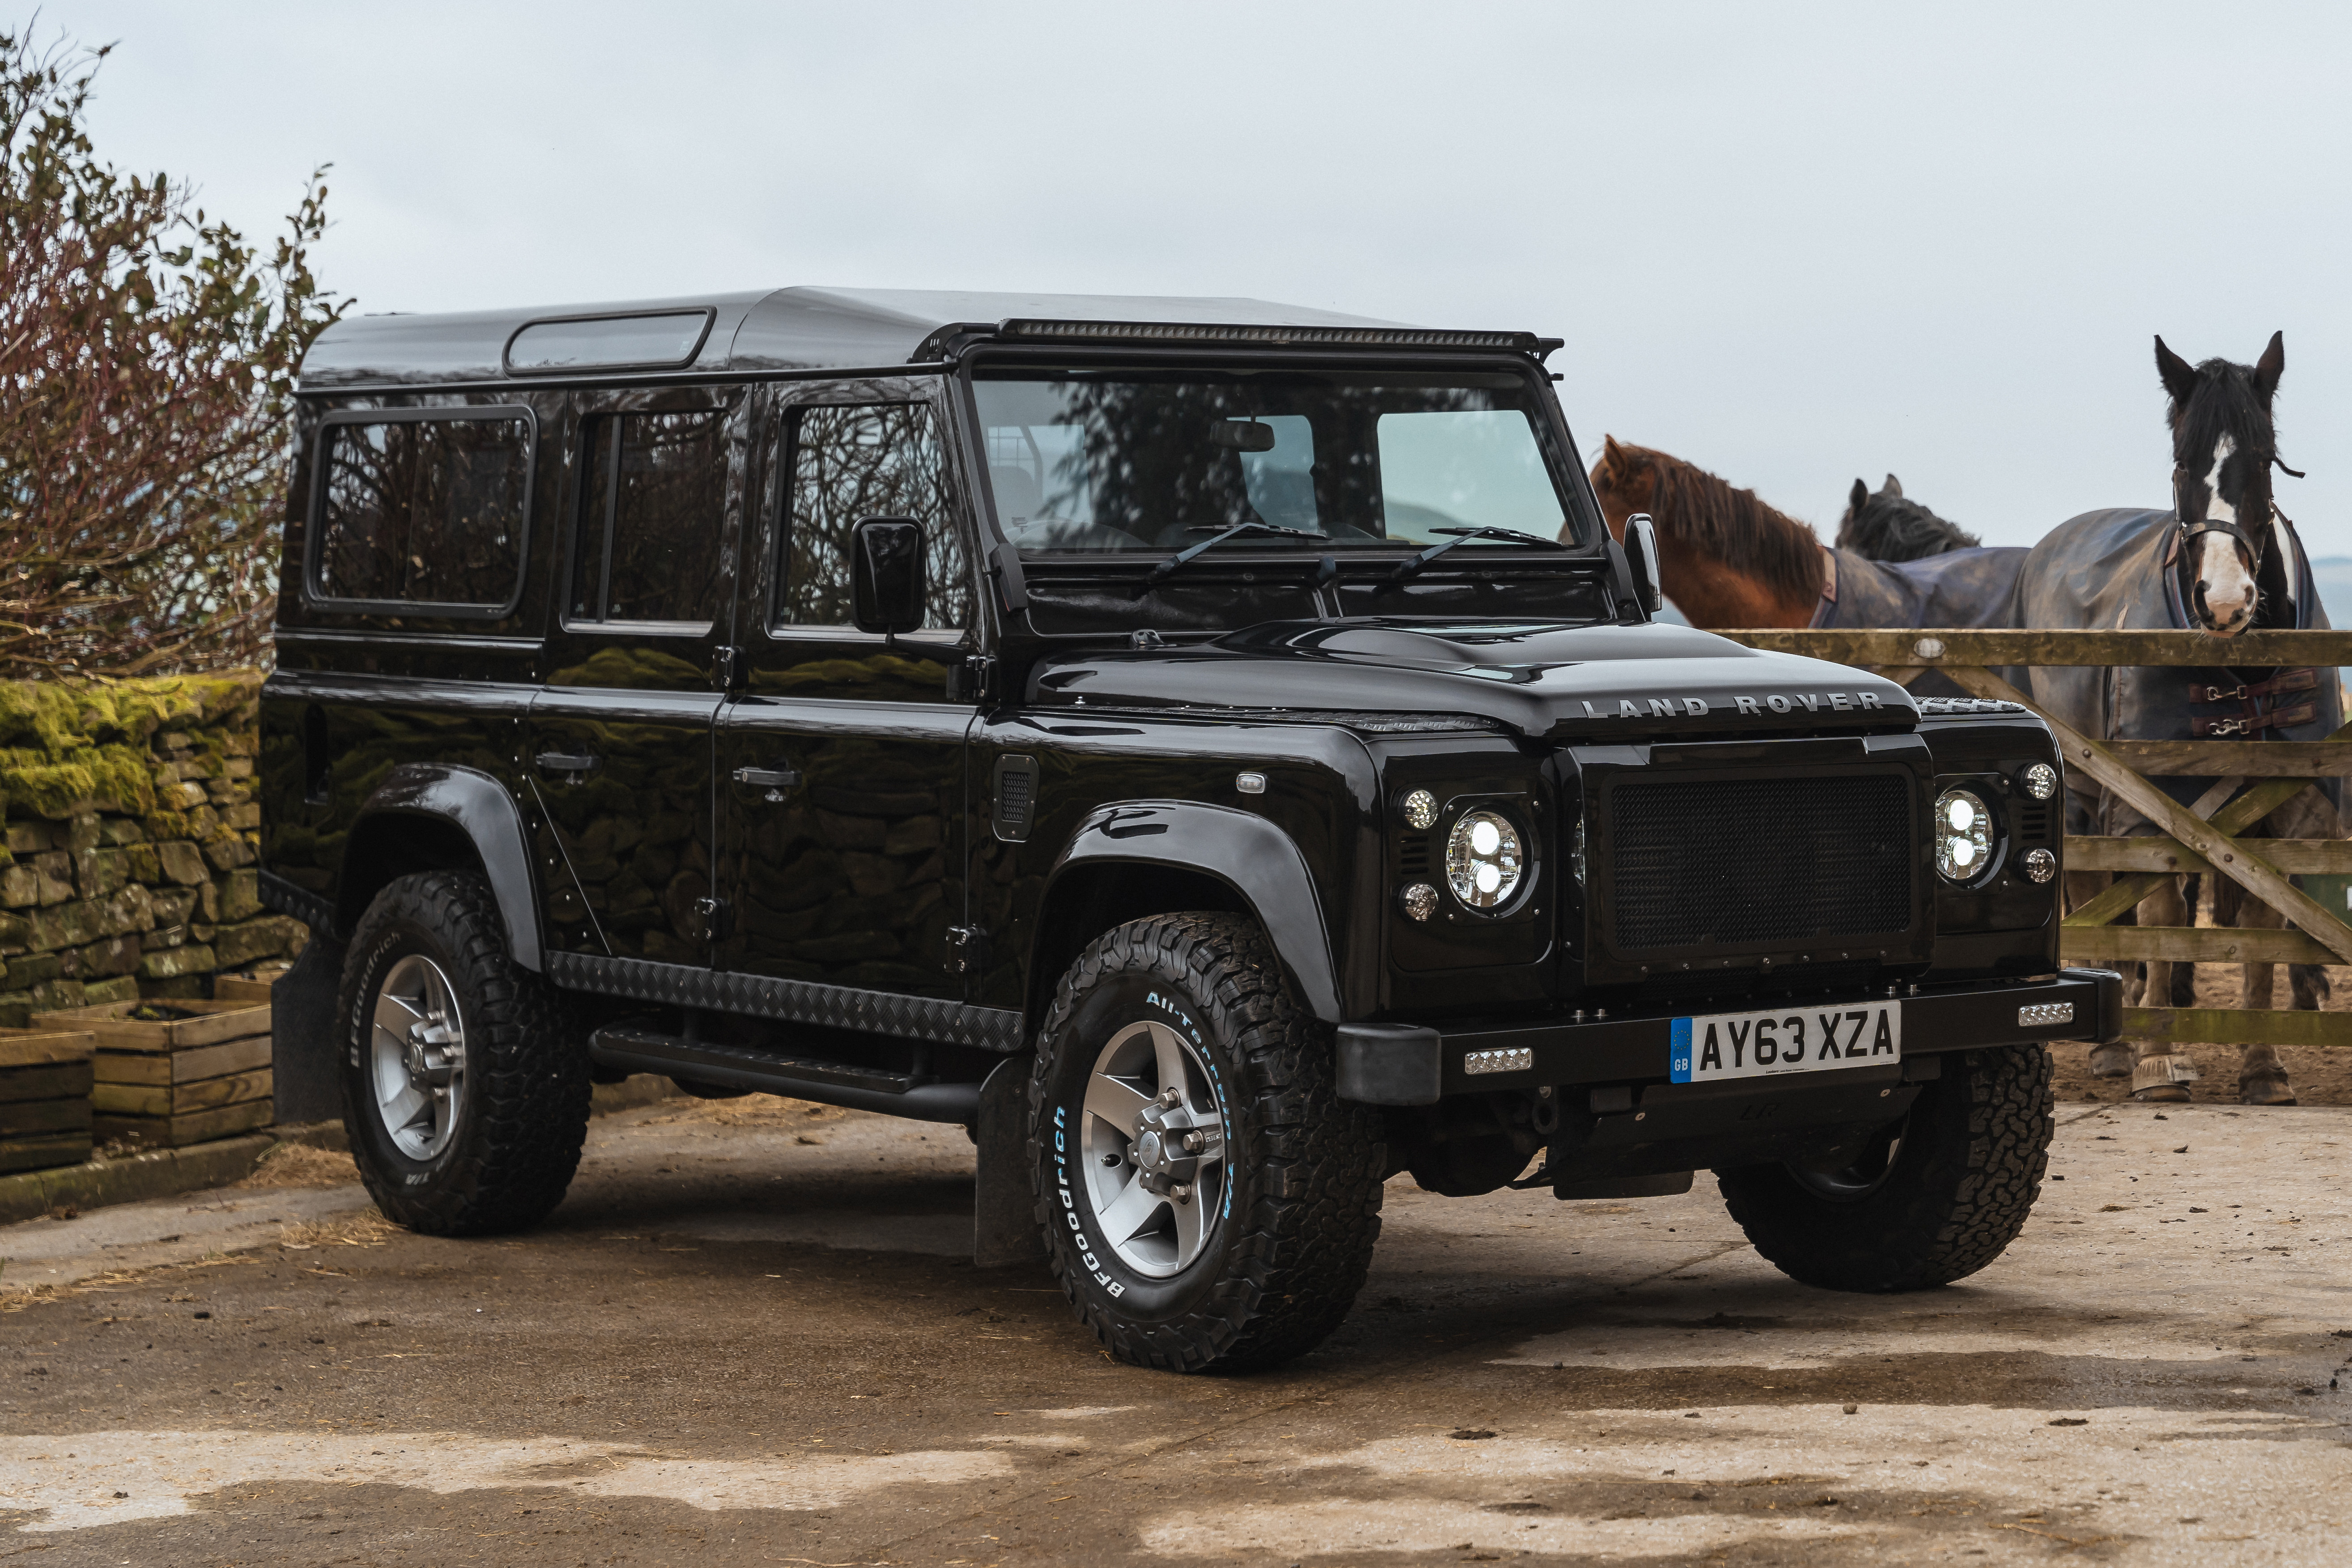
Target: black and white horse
2222,561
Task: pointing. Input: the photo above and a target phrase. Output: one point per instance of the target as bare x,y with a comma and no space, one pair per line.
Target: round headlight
1963,829
1420,810
2040,779
1482,859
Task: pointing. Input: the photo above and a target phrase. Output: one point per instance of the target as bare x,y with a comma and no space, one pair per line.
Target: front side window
656,494
424,512
879,459
1091,462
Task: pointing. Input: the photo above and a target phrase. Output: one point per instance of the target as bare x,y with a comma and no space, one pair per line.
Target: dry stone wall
132,833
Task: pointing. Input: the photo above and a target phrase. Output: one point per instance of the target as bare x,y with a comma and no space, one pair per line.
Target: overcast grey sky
1795,245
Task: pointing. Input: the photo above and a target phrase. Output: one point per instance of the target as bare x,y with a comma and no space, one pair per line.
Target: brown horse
1726,558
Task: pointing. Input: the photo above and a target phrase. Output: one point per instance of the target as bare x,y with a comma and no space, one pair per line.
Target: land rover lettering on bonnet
1215,753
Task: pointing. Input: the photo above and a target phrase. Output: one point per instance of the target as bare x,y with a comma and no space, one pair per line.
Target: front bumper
1416,1064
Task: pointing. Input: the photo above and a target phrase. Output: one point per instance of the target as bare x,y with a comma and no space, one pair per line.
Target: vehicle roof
767,329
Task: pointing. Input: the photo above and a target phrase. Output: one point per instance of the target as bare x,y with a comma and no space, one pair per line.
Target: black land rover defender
1213,751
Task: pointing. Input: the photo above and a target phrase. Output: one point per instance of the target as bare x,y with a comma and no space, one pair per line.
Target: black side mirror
885,555
1642,555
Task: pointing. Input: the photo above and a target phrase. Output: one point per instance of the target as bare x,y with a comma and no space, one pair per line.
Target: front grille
1702,863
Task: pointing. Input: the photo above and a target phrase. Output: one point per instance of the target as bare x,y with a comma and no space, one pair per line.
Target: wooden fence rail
2257,777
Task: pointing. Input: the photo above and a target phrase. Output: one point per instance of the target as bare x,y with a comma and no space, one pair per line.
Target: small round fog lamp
1419,900
1482,859
2040,865
2040,779
1420,811
1963,829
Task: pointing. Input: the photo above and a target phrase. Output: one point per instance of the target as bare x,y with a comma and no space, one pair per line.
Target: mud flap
306,1084
1005,1211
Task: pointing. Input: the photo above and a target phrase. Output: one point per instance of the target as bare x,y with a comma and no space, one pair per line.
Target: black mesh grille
1723,862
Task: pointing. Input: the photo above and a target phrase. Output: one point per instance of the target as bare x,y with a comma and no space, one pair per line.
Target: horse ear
2179,377
1894,486
1610,452
2268,369
1857,497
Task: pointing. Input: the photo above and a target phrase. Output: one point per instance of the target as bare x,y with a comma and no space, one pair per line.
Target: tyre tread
1314,1214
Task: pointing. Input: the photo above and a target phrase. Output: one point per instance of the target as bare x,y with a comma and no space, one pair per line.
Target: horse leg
2184,975
2163,908
2261,1077
2113,1060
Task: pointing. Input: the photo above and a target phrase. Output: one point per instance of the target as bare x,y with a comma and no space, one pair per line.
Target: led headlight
1482,859
2040,779
1963,828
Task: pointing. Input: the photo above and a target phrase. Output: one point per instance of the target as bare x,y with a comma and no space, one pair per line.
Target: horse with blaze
2224,560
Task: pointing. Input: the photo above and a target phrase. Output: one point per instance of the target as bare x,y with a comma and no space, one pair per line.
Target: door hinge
971,678
718,917
728,667
967,948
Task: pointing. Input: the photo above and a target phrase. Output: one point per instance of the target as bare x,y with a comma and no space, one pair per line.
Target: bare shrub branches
147,359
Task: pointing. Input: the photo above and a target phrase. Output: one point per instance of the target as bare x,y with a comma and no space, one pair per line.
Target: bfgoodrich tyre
464,1096
1208,1199
1935,1198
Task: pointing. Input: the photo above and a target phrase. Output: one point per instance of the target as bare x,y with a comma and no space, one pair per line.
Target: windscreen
1091,463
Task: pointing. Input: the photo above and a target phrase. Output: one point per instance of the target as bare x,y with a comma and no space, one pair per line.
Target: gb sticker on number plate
1794,1039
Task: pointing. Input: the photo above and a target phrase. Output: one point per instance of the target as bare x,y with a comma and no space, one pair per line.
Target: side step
633,1050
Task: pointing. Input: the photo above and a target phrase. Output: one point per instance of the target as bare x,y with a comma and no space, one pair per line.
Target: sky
1796,245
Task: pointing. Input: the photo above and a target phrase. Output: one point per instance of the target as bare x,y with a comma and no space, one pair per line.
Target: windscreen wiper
1183,557
1462,536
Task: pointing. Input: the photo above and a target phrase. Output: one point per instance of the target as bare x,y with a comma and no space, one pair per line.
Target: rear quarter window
422,511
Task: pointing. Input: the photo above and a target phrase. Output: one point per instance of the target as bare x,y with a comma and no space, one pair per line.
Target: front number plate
1721,1046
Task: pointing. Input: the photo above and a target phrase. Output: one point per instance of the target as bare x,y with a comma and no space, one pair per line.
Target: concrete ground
748,1337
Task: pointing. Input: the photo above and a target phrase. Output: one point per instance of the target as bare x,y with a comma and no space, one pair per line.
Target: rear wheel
465,1098
1208,1198
1930,1199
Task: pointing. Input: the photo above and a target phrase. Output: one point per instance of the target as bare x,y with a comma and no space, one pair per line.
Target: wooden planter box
44,1109
168,1083
250,987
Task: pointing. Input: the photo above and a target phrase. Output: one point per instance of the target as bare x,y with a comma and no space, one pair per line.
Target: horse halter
2252,546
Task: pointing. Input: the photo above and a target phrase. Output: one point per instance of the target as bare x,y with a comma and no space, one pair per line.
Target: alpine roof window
424,510
666,340
647,550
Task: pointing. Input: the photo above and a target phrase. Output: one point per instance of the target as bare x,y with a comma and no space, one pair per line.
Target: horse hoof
2111,1061
2162,1094
2265,1091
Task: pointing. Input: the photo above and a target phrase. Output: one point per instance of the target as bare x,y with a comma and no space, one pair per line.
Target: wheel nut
1191,1143
1182,1192
1172,1097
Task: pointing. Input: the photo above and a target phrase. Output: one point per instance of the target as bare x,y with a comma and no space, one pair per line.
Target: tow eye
1169,1148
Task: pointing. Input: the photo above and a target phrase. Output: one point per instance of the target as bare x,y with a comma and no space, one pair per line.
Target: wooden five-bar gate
2204,838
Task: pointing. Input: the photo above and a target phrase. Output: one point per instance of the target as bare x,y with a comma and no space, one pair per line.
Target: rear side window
425,511
876,459
655,498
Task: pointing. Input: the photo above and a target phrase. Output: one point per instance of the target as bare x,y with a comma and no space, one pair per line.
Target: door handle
775,781
567,763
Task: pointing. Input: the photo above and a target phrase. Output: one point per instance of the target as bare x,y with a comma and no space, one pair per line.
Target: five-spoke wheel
416,1046
1154,1143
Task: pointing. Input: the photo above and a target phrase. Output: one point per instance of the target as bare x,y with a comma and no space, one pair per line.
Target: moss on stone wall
132,832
